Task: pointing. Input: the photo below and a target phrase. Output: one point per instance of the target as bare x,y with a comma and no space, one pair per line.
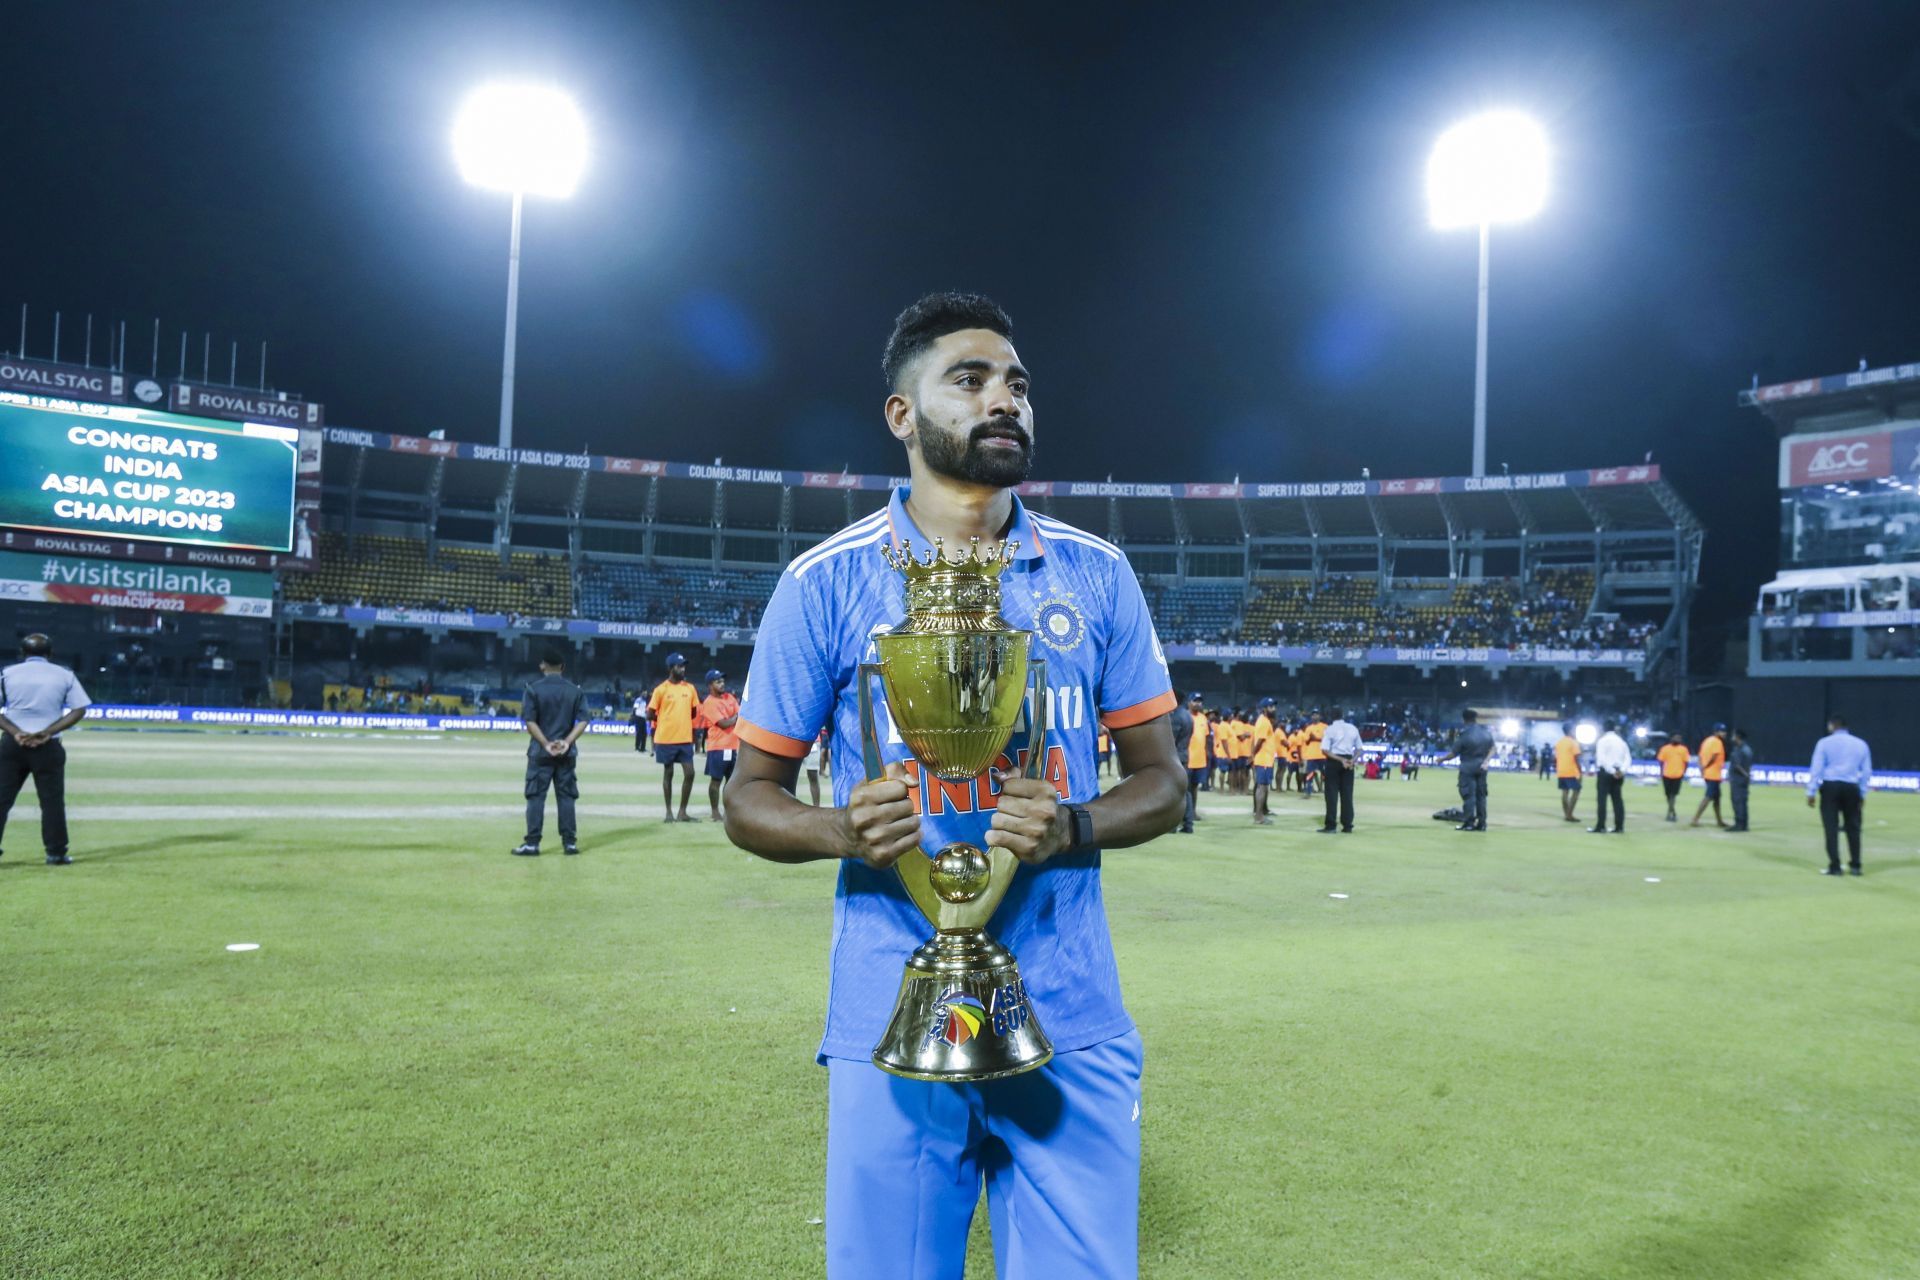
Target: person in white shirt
1610,761
1342,745
38,702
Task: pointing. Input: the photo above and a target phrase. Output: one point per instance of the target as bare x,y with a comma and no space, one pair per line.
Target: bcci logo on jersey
1060,624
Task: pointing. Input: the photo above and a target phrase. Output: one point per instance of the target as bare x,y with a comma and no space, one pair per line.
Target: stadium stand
630,591
393,571
1195,610
1576,581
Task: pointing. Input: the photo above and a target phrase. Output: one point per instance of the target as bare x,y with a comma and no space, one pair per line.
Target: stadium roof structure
1840,400
411,479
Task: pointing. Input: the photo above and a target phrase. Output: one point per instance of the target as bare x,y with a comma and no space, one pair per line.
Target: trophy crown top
988,562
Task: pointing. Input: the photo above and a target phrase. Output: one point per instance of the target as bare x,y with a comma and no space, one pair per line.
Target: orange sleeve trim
1139,712
777,744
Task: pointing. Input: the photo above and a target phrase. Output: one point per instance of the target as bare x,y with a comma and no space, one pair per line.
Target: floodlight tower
1489,169
524,139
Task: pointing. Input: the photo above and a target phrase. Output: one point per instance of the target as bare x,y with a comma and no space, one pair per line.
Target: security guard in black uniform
554,711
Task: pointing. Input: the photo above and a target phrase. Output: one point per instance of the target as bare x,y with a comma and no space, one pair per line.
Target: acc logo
1060,624
957,1018
1838,457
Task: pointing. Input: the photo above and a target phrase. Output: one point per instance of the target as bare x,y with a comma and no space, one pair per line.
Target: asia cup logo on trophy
958,1018
957,679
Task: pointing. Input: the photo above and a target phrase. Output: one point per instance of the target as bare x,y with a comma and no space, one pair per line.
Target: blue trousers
1058,1150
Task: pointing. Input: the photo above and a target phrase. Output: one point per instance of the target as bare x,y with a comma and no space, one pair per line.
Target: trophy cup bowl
956,678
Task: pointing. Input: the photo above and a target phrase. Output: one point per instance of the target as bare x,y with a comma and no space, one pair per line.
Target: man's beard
968,460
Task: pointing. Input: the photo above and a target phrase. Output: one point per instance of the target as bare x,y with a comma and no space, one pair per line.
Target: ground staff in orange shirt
1220,743
1566,769
1242,754
719,715
1713,767
1265,752
1674,759
1313,759
670,708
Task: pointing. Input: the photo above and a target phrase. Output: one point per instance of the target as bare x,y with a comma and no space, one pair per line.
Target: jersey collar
900,527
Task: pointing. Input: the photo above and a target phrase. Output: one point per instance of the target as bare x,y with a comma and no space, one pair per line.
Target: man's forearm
1144,806
539,735
64,723
574,737
769,822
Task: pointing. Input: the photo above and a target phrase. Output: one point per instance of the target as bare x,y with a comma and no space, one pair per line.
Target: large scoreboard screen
126,472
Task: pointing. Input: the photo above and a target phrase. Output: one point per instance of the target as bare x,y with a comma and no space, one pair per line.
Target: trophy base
962,1015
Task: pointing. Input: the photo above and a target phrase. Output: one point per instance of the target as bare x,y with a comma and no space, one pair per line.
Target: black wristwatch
1079,827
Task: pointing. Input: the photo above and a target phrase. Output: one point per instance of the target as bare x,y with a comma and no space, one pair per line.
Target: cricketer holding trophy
971,1092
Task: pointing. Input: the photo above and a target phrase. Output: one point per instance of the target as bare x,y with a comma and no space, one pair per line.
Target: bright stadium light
523,139
1486,170
1639,733
1509,728
1586,733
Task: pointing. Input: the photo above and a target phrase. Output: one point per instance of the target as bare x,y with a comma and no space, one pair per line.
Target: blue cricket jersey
1079,597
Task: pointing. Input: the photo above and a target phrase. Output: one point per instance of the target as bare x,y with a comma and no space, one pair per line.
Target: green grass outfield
1504,1055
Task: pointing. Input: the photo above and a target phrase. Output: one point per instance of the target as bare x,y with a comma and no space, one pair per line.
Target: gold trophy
956,676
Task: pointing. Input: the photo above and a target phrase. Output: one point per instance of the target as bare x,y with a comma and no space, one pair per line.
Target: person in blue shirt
1842,771
1058,1148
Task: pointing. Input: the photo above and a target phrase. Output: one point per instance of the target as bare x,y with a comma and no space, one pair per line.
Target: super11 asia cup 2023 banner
136,473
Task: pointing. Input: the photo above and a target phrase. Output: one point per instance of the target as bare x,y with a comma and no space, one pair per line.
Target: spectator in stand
1674,759
1713,766
1838,781
1739,777
1611,760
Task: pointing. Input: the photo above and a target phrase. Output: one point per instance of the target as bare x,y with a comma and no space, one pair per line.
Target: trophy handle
869,732
1037,740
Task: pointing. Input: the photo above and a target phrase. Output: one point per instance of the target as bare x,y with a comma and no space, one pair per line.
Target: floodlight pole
513,320
1480,368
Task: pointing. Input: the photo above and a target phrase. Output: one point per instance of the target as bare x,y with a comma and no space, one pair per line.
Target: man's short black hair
1470,716
1566,726
1334,713
553,658
1740,734
933,318
35,645
1837,721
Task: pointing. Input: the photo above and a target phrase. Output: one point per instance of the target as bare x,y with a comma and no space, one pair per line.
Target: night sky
1206,219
